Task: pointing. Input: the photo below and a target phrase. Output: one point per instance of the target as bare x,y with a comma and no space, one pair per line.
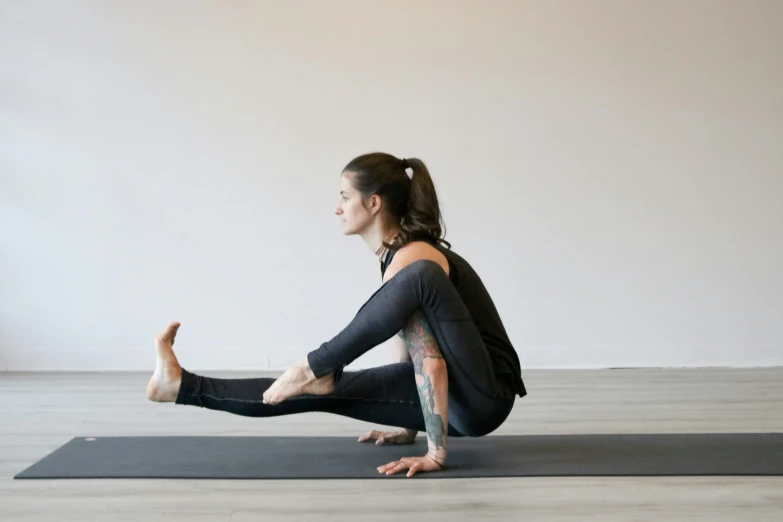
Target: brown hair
410,202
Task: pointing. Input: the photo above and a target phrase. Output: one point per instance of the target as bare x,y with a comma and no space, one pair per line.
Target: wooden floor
40,412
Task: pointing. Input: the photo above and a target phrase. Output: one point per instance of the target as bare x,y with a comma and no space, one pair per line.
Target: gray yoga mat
344,457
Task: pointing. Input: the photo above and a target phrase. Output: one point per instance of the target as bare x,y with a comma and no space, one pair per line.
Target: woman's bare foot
298,380
164,384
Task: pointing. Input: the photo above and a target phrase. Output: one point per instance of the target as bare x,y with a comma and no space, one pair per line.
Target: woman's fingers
386,437
413,464
391,468
371,435
380,437
397,466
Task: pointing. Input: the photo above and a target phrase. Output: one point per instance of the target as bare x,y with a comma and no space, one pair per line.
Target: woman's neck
374,240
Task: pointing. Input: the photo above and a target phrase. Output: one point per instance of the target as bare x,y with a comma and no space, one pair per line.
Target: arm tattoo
436,431
420,340
422,345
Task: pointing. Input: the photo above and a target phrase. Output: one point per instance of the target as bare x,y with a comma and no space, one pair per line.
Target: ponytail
422,218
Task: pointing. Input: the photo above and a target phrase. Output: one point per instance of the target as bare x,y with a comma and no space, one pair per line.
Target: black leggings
478,400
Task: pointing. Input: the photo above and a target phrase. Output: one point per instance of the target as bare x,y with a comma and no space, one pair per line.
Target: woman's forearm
432,381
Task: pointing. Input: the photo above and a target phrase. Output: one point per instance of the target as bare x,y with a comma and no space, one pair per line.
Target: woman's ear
375,203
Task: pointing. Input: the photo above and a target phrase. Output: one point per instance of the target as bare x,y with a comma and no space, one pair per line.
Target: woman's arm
422,348
432,382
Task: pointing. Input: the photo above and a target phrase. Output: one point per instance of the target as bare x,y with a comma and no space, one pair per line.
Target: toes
171,331
168,335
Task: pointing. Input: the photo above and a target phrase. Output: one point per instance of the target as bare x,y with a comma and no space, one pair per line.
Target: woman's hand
389,437
414,465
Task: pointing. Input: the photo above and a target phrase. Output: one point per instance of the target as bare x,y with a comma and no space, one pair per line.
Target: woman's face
354,217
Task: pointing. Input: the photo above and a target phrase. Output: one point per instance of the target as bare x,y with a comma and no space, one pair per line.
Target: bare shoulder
412,252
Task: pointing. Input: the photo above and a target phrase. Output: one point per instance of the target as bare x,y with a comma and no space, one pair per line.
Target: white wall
612,169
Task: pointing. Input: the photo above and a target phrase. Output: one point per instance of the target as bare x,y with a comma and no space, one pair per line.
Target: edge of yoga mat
298,458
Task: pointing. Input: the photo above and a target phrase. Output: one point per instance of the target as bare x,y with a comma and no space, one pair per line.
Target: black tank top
485,316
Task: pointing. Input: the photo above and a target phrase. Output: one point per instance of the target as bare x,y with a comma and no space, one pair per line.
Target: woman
456,372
